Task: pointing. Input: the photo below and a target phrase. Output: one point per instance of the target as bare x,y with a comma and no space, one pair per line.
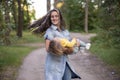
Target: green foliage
115,36
106,44
9,18
109,30
28,37
28,16
12,55
4,39
74,14
4,29
111,56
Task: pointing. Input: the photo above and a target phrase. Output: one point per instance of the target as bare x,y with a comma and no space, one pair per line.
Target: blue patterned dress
55,65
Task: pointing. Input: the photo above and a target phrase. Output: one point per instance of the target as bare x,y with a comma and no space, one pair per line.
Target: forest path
88,66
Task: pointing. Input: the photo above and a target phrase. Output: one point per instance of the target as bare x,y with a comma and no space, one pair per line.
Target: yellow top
66,43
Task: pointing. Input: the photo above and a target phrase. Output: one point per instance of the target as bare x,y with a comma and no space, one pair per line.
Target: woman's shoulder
49,29
48,34
66,31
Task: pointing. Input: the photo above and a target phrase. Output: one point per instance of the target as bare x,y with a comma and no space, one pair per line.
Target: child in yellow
62,45
66,43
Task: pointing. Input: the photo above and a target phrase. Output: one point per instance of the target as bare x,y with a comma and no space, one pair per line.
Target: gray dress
55,65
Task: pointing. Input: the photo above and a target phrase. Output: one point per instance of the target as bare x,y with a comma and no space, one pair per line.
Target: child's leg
82,44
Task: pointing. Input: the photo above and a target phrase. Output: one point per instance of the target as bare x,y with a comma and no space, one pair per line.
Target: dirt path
89,67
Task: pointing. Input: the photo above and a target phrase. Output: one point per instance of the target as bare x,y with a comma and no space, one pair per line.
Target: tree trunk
28,16
20,24
55,3
14,13
48,5
7,21
86,16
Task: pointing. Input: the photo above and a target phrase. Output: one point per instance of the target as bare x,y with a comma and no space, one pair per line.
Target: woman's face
55,18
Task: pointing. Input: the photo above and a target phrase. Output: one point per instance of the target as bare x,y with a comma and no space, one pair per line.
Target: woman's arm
48,36
47,42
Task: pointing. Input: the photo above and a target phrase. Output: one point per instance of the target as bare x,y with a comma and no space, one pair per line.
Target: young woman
53,25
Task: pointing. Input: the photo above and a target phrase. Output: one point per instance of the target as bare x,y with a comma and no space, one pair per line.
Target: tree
55,3
48,5
73,13
86,16
19,29
5,23
15,13
110,17
12,15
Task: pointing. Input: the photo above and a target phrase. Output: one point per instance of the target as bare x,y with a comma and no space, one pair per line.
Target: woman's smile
55,18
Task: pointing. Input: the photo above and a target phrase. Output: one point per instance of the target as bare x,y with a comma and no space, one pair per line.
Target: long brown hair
68,50
45,22
57,49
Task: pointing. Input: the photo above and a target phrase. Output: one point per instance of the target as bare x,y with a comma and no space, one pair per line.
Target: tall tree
55,3
20,18
12,17
86,16
27,5
7,20
15,12
48,5
110,28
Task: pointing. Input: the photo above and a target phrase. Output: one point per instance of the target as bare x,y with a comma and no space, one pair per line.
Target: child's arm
81,43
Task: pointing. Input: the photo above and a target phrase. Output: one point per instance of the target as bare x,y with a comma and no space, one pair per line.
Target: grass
27,37
11,56
110,56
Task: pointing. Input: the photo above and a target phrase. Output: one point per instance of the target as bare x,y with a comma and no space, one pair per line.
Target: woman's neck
58,27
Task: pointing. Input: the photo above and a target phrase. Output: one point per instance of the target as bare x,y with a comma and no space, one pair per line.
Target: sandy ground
88,66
